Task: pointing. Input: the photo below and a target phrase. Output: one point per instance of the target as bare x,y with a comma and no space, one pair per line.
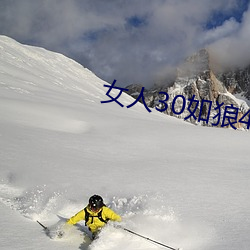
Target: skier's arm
110,214
77,217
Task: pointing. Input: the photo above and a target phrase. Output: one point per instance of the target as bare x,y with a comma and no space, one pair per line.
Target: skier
95,214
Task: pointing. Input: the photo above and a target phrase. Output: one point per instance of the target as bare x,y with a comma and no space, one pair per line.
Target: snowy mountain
199,81
183,185
237,81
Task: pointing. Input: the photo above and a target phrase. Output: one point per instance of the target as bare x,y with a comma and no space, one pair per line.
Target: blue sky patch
136,21
219,17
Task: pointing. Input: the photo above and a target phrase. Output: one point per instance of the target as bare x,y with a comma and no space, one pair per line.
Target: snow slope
183,185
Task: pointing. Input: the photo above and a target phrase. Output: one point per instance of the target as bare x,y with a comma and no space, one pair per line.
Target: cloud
233,49
132,41
228,28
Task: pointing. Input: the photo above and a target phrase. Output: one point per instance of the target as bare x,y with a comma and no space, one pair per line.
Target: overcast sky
133,41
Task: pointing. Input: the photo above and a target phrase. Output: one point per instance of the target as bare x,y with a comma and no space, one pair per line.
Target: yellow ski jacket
94,223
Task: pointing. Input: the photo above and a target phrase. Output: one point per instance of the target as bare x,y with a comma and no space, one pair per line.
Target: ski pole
45,228
146,238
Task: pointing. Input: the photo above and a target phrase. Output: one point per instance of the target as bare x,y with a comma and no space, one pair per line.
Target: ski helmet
95,202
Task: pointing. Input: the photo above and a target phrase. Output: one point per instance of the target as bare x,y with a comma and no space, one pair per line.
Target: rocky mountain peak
197,64
134,89
195,77
237,81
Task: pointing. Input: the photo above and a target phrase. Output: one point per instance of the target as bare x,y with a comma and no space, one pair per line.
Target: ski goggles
94,208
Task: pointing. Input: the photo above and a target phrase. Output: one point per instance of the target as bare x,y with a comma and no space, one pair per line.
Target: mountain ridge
197,77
